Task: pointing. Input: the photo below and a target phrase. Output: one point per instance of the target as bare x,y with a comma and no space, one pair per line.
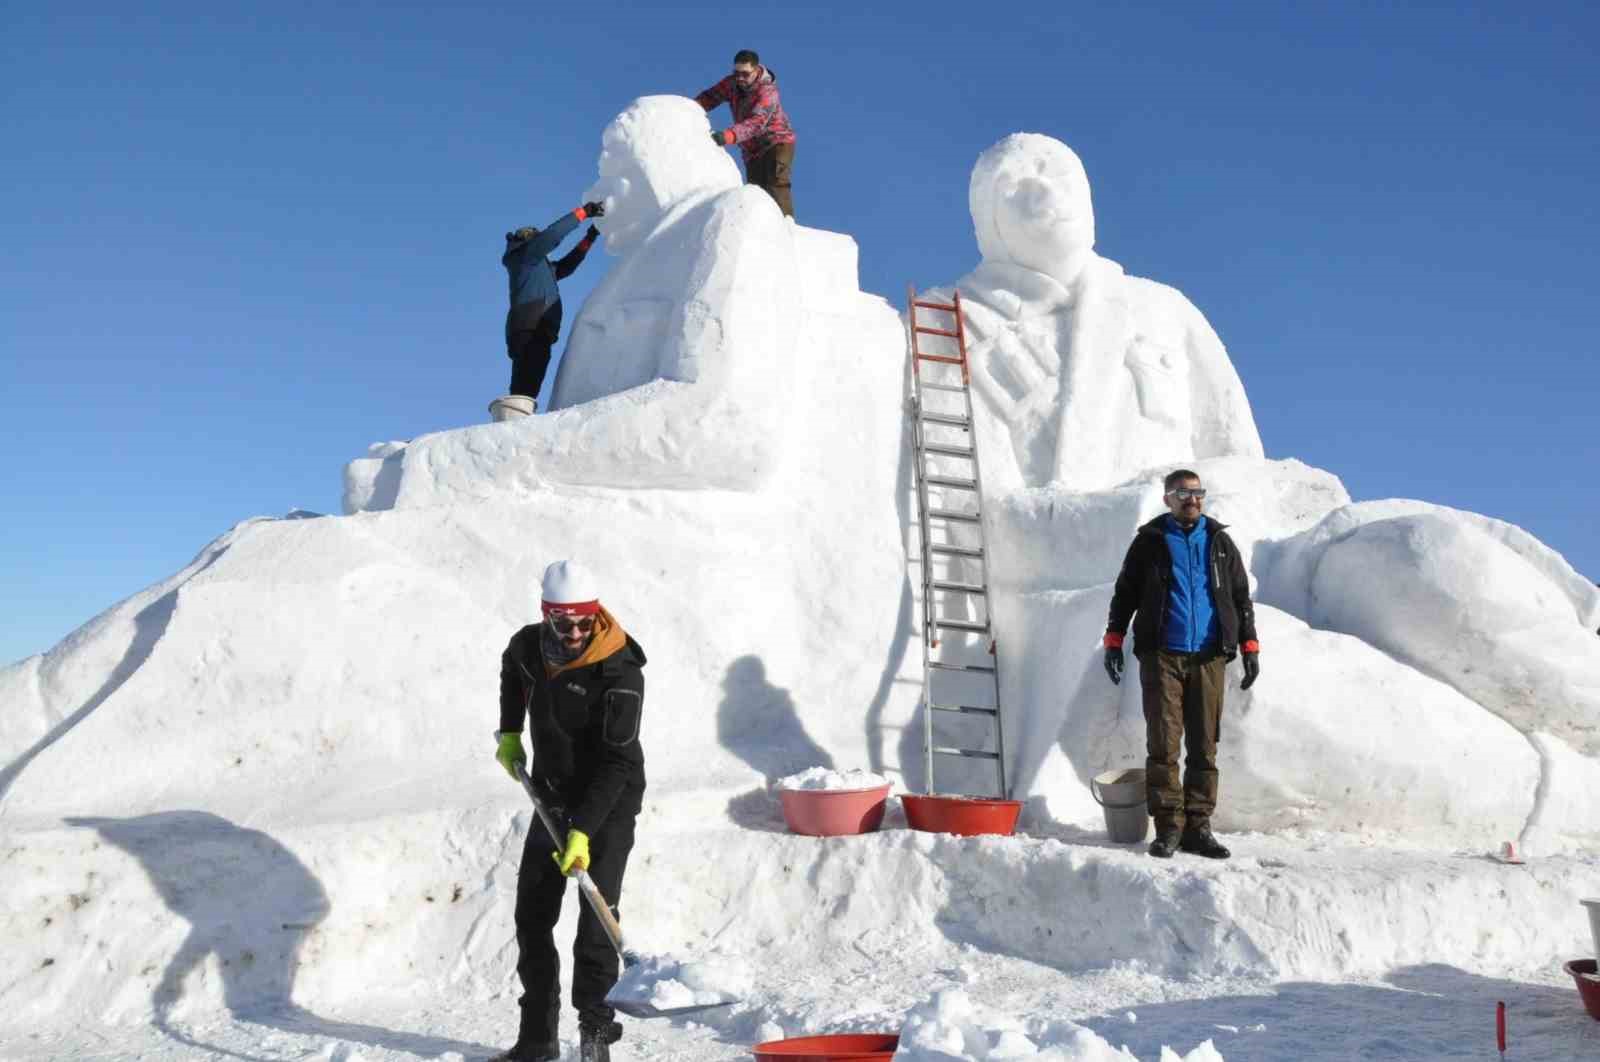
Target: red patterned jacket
758,118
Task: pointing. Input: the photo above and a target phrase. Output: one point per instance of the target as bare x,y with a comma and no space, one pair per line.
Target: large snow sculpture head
1030,204
655,156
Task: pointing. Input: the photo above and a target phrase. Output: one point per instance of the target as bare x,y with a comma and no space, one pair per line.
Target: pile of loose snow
670,984
827,778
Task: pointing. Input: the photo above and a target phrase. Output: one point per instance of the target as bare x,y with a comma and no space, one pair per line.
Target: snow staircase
960,665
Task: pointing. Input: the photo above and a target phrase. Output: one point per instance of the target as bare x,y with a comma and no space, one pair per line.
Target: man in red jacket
760,128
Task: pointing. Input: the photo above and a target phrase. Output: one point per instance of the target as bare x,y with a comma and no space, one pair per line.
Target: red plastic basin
849,1047
961,815
1588,991
834,812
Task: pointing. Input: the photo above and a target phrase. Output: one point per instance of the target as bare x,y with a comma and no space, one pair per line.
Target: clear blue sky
241,242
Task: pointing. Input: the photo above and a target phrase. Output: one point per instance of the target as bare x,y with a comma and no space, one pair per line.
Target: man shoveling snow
576,677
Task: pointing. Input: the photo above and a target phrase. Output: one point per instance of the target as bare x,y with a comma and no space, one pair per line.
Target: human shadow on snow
251,903
757,722
1429,1011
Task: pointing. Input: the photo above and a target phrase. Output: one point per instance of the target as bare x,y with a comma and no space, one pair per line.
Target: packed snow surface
252,811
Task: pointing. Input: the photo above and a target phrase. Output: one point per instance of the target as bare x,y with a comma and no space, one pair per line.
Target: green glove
509,754
576,853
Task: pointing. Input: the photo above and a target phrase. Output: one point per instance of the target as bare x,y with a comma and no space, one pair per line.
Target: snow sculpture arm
1222,422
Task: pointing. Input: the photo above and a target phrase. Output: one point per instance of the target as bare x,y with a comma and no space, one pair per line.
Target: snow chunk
666,983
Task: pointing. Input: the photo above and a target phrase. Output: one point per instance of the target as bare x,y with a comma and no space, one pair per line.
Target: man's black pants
530,360
540,887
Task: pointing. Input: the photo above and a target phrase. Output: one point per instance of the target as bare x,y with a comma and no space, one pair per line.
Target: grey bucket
1121,794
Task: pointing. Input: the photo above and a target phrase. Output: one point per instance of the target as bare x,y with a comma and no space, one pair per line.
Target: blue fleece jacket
1191,625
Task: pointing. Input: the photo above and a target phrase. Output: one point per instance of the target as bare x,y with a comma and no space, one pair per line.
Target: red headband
580,608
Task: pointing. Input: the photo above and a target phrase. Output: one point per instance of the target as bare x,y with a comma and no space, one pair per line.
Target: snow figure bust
703,264
1095,375
679,367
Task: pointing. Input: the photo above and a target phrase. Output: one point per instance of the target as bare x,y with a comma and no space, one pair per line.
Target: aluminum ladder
955,570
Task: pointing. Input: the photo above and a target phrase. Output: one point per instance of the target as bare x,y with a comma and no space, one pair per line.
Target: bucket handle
1102,803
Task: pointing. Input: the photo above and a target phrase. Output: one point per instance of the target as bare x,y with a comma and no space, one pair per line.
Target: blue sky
244,241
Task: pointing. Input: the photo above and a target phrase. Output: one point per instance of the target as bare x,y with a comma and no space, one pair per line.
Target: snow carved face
655,155
1030,204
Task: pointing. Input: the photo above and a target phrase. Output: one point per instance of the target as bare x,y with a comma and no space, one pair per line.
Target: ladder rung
945,358
930,386
947,307
937,666
973,753
960,588
957,551
945,418
967,709
950,481
938,332
961,625
951,514
948,451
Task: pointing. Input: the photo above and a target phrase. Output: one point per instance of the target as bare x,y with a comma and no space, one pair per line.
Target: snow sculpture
1445,659
1094,374
678,370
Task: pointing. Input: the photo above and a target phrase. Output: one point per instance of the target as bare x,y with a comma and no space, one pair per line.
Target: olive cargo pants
771,171
1182,711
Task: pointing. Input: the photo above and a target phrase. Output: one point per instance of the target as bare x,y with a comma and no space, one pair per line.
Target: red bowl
834,812
850,1047
1588,991
961,815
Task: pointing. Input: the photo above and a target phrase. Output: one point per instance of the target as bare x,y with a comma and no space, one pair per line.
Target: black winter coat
1141,591
584,728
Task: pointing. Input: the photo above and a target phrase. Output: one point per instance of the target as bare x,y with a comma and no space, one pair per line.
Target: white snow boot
509,407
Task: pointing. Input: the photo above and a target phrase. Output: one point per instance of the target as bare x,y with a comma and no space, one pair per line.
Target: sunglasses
565,624
1185,493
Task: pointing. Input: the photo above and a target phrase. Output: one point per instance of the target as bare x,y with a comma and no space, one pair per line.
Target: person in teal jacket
533,324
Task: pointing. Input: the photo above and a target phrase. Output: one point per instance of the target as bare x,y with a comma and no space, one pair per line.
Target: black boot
1198,840
1166,842
594,1041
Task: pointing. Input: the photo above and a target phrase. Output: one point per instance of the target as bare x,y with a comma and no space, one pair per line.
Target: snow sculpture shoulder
1095,375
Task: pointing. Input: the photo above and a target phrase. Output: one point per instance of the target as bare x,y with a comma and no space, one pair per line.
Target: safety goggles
1185,493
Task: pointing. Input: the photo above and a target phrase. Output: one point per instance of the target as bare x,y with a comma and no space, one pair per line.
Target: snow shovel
608,921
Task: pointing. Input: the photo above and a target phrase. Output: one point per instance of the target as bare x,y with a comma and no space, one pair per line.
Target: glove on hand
591,235
594,210
719,139
1114,664
509,754
1252,669
576,854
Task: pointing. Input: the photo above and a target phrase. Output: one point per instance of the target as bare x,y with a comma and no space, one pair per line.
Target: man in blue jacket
533,324
1184,578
